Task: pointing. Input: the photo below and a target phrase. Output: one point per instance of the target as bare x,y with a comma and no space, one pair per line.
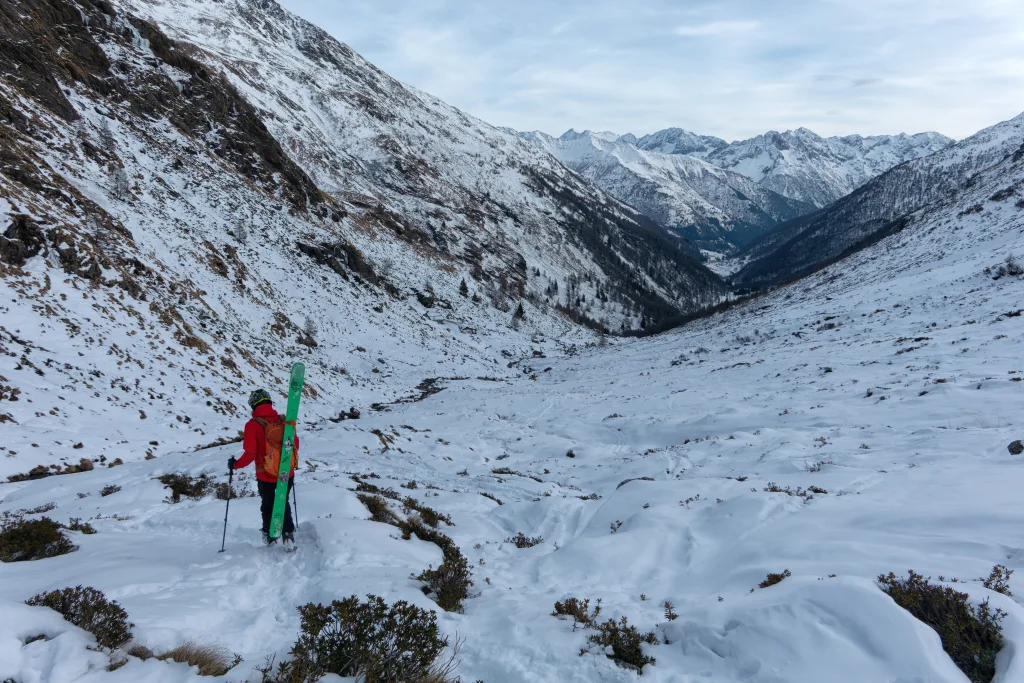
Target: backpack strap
261,446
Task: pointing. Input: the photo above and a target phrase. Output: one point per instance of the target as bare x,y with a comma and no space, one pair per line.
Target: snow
902,412
679,191
800,164
890,380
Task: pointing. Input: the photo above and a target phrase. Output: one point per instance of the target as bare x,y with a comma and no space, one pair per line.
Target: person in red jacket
254,448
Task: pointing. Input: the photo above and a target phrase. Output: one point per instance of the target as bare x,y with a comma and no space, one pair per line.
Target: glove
231,463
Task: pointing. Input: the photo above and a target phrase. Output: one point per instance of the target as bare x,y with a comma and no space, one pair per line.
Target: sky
731,68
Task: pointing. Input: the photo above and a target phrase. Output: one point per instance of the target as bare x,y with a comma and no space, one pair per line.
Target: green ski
287,446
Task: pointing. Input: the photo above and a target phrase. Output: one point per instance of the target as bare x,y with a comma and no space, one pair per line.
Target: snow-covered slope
162,253
890,382
796,247
717,209
800,164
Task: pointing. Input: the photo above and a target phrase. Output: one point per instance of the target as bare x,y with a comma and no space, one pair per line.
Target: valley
193,196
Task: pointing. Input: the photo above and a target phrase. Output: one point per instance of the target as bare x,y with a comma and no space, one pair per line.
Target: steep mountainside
445,183
800,164
162,252
717,209
876,209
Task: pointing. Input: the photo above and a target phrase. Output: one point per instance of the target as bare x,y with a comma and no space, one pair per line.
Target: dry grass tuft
212,660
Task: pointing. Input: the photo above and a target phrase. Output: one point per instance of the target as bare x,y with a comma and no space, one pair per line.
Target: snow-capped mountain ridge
675,177
679,141
801,164
718,209
797,247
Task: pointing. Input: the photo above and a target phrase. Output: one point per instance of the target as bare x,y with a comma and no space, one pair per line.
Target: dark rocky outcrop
47,43
22,240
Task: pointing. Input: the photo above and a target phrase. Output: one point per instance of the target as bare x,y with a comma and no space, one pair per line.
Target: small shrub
221,492
430,517
22,539
212,660
450,582
571,454
492,497
1011,267
521,540
364,487
772,487
89,610
773,579
378,507
626,481
999,580
76,524
670,613
109,490
372,641
971,635
139,651
186,485
625,641
579,610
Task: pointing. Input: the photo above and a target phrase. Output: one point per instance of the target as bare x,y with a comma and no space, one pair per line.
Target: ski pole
224,536
295,504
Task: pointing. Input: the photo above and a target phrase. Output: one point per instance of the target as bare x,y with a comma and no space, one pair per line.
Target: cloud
731,68
716,28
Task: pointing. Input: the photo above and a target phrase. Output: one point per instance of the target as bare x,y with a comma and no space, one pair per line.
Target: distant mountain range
876,209
800,164
718,209
724,195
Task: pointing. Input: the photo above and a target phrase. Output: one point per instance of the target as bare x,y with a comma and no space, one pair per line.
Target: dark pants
267,491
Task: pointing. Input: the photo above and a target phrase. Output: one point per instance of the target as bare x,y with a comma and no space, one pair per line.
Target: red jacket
254,443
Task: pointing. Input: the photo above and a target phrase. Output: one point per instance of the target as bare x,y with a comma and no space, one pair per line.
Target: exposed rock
1016,448
22,240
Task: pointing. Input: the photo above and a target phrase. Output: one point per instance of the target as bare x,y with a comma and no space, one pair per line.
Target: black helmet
259,397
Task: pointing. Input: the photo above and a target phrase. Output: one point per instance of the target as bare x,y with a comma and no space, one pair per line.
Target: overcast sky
731,68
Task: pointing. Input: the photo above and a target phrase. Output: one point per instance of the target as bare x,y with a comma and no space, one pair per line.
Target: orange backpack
273,431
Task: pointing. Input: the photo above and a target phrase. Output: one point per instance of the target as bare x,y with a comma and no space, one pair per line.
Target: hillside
675,468
163,252
718,210
442,182
876,209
